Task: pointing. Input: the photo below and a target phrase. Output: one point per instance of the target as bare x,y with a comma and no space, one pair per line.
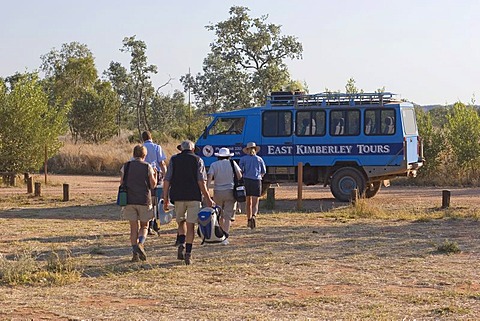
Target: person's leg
193,208
189,244
134,232
254,211
249,211
181,216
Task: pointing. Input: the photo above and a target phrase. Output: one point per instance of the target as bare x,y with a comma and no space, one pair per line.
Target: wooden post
30,185
45,168
25,177
300,186
66,193
38,189
445,199
13,179
354,196
270,202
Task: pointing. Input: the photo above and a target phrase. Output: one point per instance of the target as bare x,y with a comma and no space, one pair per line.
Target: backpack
208,226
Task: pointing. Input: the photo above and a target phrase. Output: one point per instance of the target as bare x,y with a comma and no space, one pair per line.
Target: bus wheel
265,187
344,181
372,189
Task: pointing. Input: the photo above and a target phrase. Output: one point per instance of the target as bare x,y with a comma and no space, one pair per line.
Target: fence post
354,196
66,192
270,202
30,185
300,186
38,189
445,198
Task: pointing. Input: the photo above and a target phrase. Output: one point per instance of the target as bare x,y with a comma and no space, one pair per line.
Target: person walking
184,184
156,157
253,169
221,172
139,178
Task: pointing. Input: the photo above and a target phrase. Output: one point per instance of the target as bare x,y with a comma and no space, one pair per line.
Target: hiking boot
188,258
135,257
140,250
180,252
249,223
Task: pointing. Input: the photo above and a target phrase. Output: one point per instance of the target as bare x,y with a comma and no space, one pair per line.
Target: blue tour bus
345,141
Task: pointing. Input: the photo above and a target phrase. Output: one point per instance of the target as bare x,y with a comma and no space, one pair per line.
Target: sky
426,51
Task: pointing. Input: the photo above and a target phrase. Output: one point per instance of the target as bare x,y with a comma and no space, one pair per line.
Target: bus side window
277,123
339,127
389,126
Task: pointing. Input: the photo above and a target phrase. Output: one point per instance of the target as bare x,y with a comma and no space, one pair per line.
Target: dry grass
378,260
102,159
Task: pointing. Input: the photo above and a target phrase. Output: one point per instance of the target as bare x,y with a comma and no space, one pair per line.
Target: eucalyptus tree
94,111
135,85
28,124
246,62
68,73
463,135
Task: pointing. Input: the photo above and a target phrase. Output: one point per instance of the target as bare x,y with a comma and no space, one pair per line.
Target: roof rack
300,99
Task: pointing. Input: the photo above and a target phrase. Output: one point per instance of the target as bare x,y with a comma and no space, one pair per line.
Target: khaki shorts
187,211
142,213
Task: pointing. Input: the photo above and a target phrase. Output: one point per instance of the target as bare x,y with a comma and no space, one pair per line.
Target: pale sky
427,51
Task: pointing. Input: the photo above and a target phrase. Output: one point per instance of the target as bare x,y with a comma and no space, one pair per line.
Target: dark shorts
253,187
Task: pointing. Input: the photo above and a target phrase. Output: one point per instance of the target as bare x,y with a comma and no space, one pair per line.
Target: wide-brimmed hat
251,145
224,152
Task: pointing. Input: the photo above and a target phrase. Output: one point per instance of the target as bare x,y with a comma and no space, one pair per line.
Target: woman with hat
221,172
253,169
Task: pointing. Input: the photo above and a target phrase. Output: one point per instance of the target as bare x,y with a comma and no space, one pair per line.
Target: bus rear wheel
372,189
344,181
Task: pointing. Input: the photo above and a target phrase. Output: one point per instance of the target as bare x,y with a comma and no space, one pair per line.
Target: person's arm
238,171
203,188
209,180
166,201
163,168
152,177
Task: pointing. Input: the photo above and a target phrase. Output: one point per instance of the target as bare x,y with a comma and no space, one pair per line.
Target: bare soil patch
317,263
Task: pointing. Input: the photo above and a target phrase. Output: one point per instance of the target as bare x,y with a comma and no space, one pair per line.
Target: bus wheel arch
344,180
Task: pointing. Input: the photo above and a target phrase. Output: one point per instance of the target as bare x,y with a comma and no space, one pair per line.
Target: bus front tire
344,181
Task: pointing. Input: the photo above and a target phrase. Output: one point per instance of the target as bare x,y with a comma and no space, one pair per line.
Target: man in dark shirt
184,185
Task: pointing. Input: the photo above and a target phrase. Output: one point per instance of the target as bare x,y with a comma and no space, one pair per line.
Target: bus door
277,138
411,135
225,131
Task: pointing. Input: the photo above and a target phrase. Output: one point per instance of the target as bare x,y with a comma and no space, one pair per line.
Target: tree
135,87
463,135
433,142
28,124
68,73
94,112
351,88
246,62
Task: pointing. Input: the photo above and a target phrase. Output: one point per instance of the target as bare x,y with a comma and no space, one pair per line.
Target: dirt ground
315,263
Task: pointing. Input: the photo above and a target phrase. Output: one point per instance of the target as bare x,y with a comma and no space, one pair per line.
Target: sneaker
140,250
188,258
135,257
225,242
180,252
253,224
249,223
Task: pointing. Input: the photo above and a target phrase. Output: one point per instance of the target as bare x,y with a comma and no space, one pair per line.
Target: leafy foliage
246,63
463,134
93,113
433,142
28,125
